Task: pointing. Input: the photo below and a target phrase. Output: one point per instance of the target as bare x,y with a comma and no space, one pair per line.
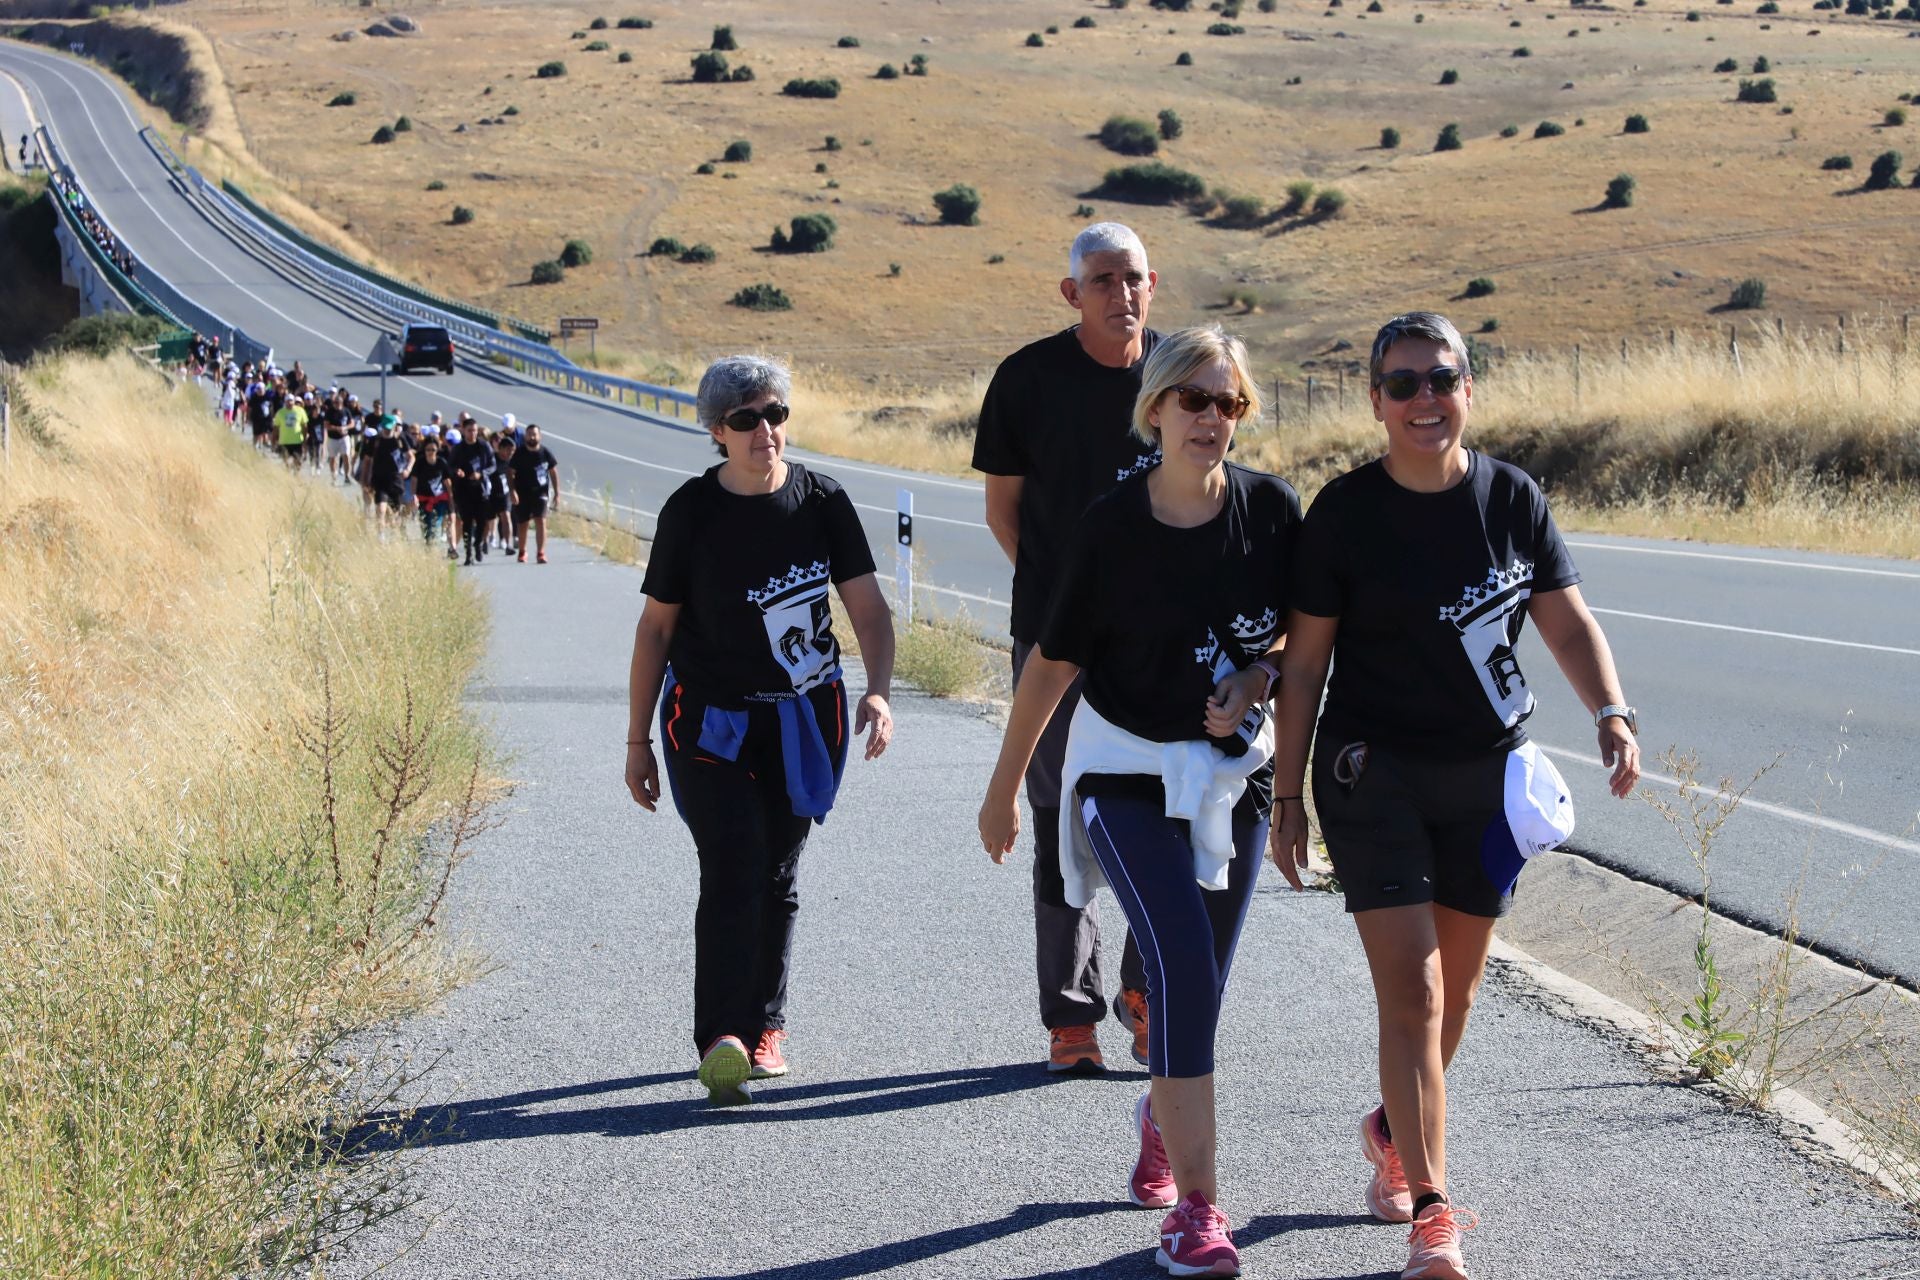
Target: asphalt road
1739,655
919,1135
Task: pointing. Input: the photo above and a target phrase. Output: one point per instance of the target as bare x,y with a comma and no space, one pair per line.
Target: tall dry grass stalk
229,720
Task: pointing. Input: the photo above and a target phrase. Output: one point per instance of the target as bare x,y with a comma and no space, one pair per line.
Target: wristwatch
1630,714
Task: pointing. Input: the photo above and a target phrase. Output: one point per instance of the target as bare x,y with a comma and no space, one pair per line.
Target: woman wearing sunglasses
735,647
1415,575
1170,600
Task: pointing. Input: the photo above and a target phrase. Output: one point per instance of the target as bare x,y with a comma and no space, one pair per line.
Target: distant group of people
1175,617
471,489
96,228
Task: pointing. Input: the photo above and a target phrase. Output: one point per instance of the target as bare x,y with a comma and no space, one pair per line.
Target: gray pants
1066,939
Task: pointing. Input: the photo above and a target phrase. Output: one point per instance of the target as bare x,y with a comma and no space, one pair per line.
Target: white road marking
1757,631
1712,555
1867,834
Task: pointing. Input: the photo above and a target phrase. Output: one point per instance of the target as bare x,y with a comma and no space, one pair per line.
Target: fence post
1309,397
1276,404
903,557
1841,347
1673,341
1343,390
1576,373
1623,351
1733,345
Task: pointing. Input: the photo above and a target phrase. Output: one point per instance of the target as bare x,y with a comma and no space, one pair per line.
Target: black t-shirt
390,454
476,458
750,574
533,473
432,479
1157,616
1431,592
1063,421
497,483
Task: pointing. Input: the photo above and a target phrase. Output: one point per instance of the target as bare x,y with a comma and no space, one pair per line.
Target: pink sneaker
1151,1184
1388,1198
1194,1240
1433,1247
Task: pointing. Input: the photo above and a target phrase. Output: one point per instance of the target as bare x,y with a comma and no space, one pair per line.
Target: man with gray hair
1055,433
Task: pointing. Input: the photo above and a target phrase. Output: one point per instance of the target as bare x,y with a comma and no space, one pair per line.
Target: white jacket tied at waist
1203,784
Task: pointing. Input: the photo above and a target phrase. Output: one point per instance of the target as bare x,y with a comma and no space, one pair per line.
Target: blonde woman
1170,601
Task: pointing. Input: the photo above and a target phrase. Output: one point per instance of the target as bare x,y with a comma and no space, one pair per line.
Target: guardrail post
903,557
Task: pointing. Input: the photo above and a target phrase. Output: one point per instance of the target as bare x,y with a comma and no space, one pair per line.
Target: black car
425,346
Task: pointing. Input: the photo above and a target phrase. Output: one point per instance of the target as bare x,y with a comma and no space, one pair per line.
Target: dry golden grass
229,719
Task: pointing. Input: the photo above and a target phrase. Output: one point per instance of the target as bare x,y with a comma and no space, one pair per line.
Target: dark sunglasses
749,419
1196,400
1403,385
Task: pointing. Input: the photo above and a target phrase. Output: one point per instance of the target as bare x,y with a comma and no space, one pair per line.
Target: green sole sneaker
724,1071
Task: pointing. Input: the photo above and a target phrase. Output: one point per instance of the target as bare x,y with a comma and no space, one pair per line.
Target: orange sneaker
768,1060
1075,1049
1433,1247
1130,1010
1388,1198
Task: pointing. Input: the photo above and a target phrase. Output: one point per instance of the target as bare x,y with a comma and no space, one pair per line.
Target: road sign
578,324
384,356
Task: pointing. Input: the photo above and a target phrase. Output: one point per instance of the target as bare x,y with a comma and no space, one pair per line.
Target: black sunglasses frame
744,420
1231,407
1427,379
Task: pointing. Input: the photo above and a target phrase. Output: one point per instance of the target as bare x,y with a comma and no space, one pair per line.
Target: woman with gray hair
735,648
1415,576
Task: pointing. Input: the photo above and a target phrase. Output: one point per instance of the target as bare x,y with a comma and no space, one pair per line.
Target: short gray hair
1103,237
731,381
1429,326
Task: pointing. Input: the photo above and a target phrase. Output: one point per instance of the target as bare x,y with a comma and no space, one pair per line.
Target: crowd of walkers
1175,618
97,229
470,489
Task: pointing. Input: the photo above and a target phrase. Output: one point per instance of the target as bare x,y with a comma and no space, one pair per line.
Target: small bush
1268,6
811,233
1450,76
1489,325
1884,173
1480,287
1375,7
1242,211
832,143
576,253
666,247
893,269
625,56
1833,163
548,272
1619,192
1183,60
635,24
462,215
698,253
1299,194
761,297
1449,139
1226,29
1726,65
847,42
1083,211
1129,136
511,111
917,65
710,68
996,259
1757,91
1523,52
798,88
1636,124
821,167
887,71
1548,129
959,205
723,40
345,98
705,167
403,125
1693,15
1761,66
1035,41
1768,8
1330,203
595,46
1895,117
551,70
1152,183
1084,21
741,73
1053,30
1749,295
598,24
1510,131
384,134
436,185
1171,125
739,151
1389,138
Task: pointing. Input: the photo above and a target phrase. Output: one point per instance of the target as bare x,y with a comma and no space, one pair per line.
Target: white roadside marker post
903,558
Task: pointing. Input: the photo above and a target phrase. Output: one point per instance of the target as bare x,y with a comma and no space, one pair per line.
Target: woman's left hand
876,717
1621,751
1231,698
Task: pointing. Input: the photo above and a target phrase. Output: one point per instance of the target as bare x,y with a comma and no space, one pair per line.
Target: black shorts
1408,829
292,450
529,509
392,496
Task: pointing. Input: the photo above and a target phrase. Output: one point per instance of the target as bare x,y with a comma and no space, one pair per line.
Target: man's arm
1003,512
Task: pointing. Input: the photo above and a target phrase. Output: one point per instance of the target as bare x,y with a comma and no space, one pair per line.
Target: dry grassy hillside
609,152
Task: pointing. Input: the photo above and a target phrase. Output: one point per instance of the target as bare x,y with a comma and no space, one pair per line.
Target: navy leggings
1187,934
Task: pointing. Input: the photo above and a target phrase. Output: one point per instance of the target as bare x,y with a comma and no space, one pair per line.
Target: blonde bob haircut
1173,363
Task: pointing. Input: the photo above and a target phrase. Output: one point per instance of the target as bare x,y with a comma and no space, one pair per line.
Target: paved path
918,1136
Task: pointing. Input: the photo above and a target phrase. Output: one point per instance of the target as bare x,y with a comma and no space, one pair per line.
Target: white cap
506,421
453,435
1537,815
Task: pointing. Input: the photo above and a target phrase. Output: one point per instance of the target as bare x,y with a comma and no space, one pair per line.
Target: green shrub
1034,40
1726,65
1510,131
1489,325
710,68
893,269
1749,295
1226,29
1523,52
1884,173
576,253
1053,30
511,111
1171,126
436,185
1757,91
598,24
959,205
551,70
1761,66
1636,123
1895,117
1450,76
723,40
698,253
666,247
917,65
887,71
811,233
1129,135
1330,203
1242,211
625,56
1083,211
832,143
595,46
462,215
548,272
996,259
1449,139
1389,138
384,134
1832,163
1548,129
635,24
1152,183
1480,287
1299,195
1268,6
1693,15
1084,21
847,42
1375,7
344,98
739,151
1768,7
798,88
761,297
741,72
705,167
1619,192
1183,60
